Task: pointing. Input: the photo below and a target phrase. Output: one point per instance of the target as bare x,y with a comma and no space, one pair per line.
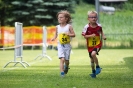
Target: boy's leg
98,69
62,60
67,63
67,58
92,64
92,61
93,75
66,66
93,54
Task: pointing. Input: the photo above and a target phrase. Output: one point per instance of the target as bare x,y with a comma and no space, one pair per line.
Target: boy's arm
103,36
91,35
87,36
84,33
71,33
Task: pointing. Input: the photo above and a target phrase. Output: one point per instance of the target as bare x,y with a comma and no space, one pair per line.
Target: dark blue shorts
95,49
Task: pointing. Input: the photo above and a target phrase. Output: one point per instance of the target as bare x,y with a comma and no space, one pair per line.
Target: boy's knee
93,54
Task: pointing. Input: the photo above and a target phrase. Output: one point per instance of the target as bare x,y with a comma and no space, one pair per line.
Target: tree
90,1
131,1
34,12
4,11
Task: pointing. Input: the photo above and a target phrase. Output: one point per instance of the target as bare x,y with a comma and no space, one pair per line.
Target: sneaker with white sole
62,74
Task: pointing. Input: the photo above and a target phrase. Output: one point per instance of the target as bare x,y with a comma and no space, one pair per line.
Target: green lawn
117,70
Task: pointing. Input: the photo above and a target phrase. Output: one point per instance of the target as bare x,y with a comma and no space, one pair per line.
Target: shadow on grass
129,62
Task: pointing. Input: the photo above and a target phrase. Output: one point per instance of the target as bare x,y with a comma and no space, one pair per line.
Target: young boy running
93,33
64,32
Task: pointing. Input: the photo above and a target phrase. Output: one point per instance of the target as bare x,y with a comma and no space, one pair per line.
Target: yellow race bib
63,38
93,41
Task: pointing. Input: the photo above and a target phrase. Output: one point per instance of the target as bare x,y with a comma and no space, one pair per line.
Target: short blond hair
66,14
91,12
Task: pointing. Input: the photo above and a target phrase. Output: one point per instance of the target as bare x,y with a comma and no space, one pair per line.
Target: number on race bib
93,41
64,39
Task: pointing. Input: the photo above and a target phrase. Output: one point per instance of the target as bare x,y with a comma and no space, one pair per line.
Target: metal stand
16,62
44,45
18,46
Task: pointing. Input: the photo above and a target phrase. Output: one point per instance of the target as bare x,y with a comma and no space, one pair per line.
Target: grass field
117,70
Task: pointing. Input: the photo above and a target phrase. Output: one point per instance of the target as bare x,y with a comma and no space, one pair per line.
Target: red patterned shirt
93,42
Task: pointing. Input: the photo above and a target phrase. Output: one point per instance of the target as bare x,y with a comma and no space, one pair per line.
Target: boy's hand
104,37
93,35
67,33
87,36
52,39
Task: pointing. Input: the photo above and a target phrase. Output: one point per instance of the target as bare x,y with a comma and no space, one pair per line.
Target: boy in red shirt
93,34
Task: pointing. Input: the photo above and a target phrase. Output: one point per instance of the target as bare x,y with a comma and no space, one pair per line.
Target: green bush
128,6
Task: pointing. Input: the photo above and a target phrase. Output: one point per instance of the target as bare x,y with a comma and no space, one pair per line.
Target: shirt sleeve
84,30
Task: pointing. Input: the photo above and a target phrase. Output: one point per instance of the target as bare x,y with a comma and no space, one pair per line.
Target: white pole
97,9
44,45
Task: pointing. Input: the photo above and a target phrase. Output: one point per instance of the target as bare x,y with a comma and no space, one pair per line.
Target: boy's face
61,18
92,18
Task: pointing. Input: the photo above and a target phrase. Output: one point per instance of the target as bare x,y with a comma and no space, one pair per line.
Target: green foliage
131,43
90,1
128,6
5,8
35,12
130,1
80,17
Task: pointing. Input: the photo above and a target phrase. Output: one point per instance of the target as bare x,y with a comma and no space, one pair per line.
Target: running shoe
93,75
62,74
98,70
